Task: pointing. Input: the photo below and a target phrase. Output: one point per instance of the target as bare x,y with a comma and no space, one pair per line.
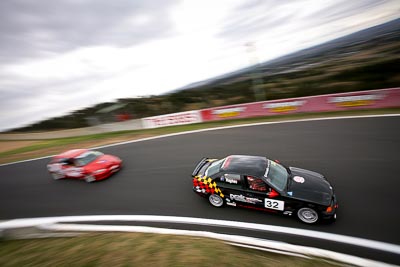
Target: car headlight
99,171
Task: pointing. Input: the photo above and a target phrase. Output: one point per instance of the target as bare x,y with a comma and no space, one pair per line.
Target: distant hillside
365,39
368,59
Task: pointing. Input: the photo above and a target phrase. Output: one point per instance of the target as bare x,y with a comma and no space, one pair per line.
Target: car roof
72,153
246,165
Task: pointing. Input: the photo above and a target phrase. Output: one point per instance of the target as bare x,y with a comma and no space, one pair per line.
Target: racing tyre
307,215
57,176
216,200
89,178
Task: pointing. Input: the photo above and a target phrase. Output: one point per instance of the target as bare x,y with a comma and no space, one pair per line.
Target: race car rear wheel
216,200
307,215
57,176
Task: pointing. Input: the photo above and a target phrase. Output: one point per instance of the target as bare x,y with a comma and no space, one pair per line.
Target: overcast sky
64,55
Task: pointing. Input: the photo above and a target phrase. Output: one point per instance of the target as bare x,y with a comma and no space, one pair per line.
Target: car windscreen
276,175
214,168
87,158
59,160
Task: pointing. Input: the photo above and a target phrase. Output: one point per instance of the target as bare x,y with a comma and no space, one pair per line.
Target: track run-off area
358,155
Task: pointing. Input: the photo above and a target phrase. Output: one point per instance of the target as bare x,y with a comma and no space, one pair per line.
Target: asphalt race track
360,157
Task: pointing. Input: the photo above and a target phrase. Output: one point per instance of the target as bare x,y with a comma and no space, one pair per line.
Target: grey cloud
29,101
31,29
13,90
34,28
259,16
345,8
254,17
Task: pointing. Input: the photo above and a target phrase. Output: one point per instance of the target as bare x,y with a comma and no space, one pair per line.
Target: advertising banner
383,98
172,119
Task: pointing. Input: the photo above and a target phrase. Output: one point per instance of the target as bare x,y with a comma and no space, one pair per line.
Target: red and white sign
172,119
382,98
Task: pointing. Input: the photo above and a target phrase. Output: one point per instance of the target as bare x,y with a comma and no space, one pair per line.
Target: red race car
84,164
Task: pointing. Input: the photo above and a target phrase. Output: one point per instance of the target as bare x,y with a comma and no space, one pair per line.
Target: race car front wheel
216,200
89,178
307,215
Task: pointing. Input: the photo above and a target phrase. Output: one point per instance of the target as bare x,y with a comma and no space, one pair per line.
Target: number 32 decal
274,204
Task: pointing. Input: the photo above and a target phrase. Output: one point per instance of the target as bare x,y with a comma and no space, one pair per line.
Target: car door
231,185
72,171
262,194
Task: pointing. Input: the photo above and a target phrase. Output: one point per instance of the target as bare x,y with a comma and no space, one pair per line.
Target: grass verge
53,146
137,249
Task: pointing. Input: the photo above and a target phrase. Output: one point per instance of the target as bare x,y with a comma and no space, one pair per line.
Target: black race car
259,183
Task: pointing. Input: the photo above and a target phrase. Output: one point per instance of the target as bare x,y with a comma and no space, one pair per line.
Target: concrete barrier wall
102,128
382,98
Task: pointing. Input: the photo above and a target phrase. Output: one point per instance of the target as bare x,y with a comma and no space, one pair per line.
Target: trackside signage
382,98
172,119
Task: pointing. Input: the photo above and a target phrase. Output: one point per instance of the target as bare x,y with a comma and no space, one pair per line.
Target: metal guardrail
75,224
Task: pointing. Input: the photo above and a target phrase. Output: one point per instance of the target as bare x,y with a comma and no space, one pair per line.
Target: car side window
230,180
256,184
70,162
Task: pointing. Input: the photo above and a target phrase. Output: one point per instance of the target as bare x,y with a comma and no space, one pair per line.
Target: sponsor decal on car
228,202
73,172
206,185
299,179
274,204
241,198
230,180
